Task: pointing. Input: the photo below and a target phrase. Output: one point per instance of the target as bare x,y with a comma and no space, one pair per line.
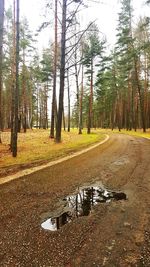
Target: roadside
30,170
35,148
138,133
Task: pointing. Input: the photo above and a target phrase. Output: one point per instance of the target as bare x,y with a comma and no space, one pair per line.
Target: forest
111,87
75,133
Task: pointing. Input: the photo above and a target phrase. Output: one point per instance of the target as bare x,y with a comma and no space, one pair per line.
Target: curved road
115,234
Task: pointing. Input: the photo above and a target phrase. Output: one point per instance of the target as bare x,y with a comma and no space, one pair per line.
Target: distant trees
110,89
121,95
122,87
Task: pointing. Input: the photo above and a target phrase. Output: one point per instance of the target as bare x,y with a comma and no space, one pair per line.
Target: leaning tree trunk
16,91
1,59
62,74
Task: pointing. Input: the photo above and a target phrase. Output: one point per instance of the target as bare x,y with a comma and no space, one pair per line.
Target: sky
105,14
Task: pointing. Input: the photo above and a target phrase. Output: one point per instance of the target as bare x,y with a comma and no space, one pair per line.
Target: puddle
121,161
80,204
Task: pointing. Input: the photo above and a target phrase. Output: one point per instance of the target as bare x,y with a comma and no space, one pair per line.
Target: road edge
25,172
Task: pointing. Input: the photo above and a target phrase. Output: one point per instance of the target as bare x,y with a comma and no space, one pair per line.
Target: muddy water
80,204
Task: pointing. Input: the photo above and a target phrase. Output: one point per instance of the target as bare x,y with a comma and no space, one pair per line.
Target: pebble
126,224
119,233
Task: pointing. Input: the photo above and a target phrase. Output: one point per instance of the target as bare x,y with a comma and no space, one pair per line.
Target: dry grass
138,133
35,145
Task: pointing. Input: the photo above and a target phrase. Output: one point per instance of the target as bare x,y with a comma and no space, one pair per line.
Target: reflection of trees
88,195
81,204
62,219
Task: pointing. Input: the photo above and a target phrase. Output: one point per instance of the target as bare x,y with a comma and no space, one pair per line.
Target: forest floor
114,234
31,155
35,148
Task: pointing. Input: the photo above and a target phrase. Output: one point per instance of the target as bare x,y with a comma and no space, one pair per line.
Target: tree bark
81,105
77,86
62,74
141,98
13,69
16,93
90,101
54,108
68,85
64,122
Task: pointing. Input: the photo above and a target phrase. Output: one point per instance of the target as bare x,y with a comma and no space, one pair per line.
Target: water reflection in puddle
81,204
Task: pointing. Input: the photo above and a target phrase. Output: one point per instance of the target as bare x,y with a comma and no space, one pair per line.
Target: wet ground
79,204
113,234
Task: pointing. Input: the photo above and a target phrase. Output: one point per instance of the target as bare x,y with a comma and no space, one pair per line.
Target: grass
36,146
138,133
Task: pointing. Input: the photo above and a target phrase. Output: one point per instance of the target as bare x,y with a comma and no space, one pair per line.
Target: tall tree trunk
68,86
16,93
90,101
37,109
139,87
54,108
1,60
62,74
81,104
64,122
141,97
46,109
146,87
77,86
24,95
136,111
13,69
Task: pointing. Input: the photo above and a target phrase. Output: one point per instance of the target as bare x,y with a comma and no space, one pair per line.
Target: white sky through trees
105,13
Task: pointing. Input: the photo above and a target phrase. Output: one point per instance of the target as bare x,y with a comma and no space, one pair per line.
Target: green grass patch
35,145
138,133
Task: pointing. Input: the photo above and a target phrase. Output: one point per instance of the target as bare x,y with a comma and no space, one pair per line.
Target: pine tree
54,106
128,74
91,50
16,91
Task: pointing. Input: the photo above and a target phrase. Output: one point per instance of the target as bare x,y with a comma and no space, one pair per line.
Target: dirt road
115,234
